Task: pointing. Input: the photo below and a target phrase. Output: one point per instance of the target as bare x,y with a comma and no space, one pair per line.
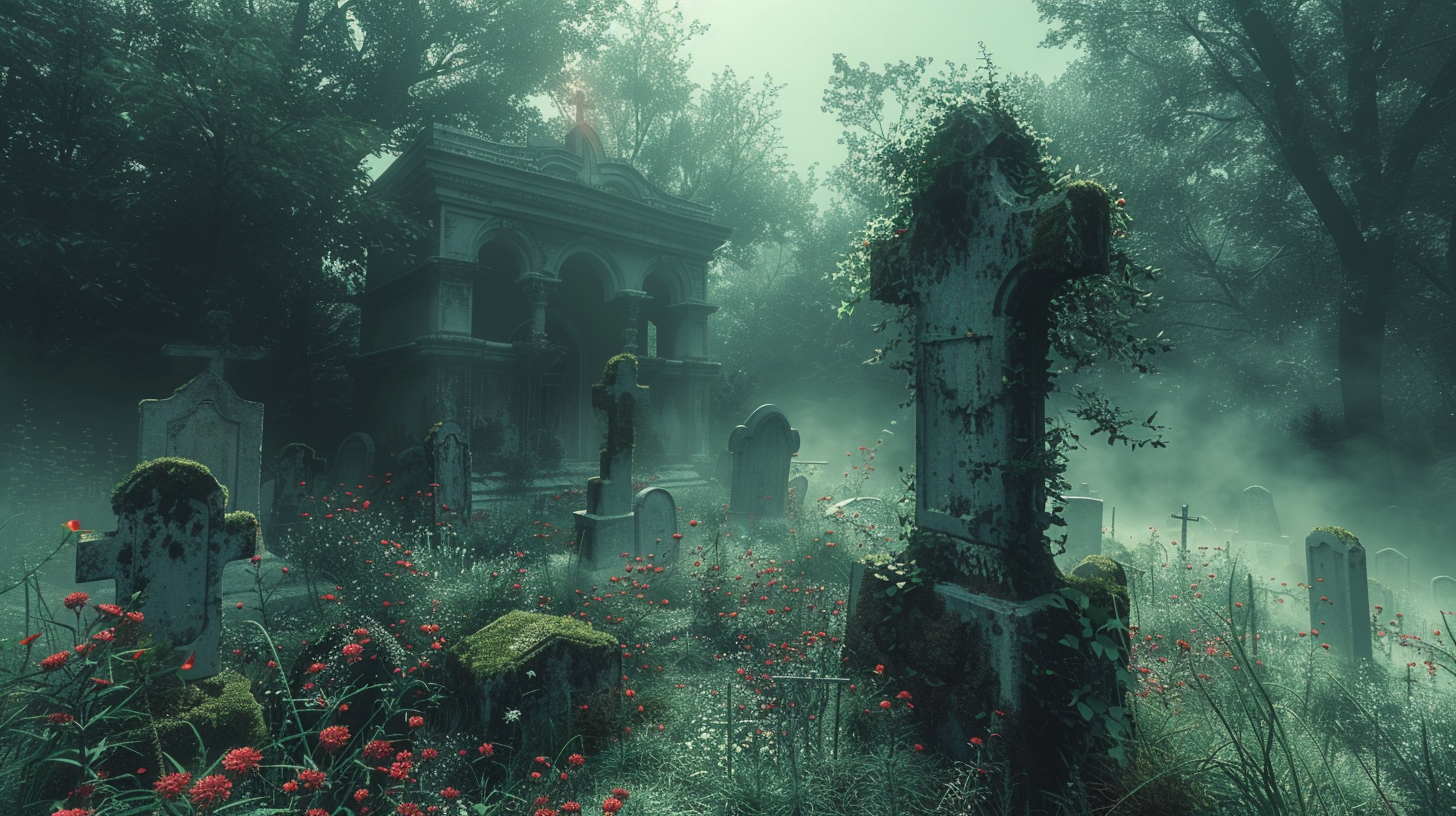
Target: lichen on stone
239,521
220,710
514,638
1344,536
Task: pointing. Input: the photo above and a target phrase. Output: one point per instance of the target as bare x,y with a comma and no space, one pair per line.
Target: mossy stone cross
606,524
171,544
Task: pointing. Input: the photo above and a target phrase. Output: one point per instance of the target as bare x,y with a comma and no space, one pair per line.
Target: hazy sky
794,40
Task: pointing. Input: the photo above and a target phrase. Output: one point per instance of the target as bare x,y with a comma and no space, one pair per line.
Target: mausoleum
541,263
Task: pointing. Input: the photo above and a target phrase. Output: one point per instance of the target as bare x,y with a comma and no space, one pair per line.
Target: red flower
361,794
416,721
576,760
242,760
291,786
884,704
570,807
76,600
409,809
55,661
60,718
353,650
172,785
333,738
74,525
450,794
976,741
73,812
429,753
210,790
30,640
611,805
378,749
109,609
487,749
189,662
315,812
620,793
311,779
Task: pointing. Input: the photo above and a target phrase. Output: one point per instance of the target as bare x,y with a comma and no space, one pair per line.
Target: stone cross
171,544
1339,591
762,448
979,265
1183,534
216,356
206,422
606,526
582,106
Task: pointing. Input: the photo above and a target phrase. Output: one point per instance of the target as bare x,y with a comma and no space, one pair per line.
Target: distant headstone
605,526
207,423
297,474
448,452
1339,592
171,544
352,464
410,475
1258,521
723,472
1443,593
1382,596
798,489
655,515
1392,567
1084,528
762,448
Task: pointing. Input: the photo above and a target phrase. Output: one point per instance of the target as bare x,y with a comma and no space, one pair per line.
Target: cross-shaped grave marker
606,525
582,106
171,544
1183,536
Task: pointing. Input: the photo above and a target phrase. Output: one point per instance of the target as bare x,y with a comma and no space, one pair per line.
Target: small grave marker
655,515
762,448
353,462
448,452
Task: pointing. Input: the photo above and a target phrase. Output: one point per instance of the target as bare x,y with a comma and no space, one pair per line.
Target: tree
1354,99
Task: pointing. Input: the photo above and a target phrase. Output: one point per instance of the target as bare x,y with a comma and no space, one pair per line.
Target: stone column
537,286
690,330
630,302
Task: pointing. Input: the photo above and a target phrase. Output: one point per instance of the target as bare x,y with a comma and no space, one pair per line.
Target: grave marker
1392,567
1339,592
448,452
1443,593
798,489
1083,516
171,544
606,527
353,462
762,448
206,422
655,515
297,473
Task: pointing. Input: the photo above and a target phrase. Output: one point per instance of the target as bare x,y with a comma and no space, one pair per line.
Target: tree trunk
1361,344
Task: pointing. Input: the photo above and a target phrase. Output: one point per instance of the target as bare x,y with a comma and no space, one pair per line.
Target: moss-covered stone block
537,664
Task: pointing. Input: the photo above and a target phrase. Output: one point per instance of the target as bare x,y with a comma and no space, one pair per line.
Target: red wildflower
311,779
450,794
487,749
74,525
242,760
570,807
361,794
30,640
611,805
576,760
109,609
172,785
189,662
409,809
333,738
76,600
60,718
210,790
620,793
55,661
416,721
378,749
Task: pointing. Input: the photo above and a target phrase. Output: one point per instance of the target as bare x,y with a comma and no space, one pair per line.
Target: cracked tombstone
448,452
206,422
979,264
606,526
1339,592
762,448
171,544
655,514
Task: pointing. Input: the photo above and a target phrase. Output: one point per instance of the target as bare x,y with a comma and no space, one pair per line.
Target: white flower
530,672
513,715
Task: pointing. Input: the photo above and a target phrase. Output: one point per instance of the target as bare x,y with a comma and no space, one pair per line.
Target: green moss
239,521
1054,240
1344,536
518,636
221,710
620,410
176,478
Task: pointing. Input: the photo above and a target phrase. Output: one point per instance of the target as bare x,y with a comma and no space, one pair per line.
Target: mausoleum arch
670,275
592,256
504,233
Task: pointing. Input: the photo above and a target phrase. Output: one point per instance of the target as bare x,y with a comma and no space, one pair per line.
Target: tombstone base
602,537
977,666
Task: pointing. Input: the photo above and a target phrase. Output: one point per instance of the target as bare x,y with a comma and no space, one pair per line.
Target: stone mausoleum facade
541,264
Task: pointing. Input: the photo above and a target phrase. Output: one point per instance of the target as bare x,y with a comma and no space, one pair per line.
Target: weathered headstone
297,473
605,527
171,544
352,464
1339,592
448,452
1382,596
1083,516
655,515
979,264
1392,567
410,475
798,490
207,423
1443,593
1259,534
762,448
